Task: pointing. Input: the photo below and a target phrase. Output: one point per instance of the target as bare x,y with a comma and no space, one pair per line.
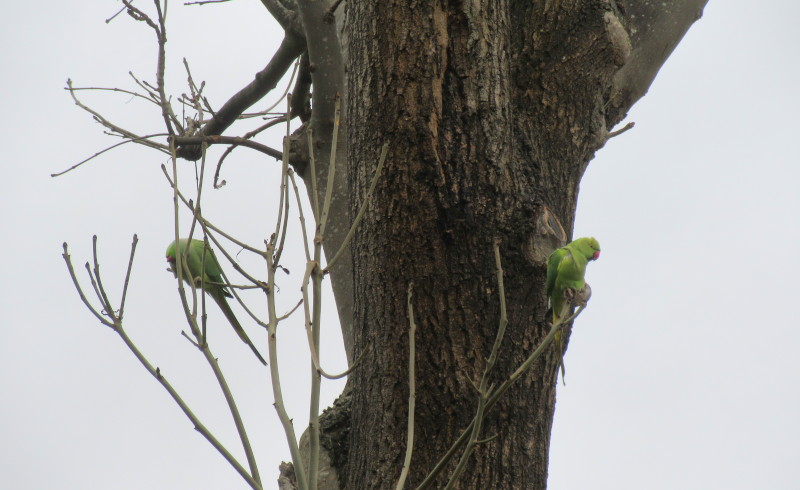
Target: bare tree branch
139,140
160,29
227,140
114,321
248,135
277,393
267,79
111,126
199,332
148,97
205,2
326,66
286,17
654,30
325,57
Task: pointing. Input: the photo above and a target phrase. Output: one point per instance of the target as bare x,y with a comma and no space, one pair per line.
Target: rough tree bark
492,111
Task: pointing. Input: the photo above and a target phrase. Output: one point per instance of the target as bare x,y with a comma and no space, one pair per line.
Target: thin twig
97,294
102,290
230,149
618,132
316,280
123,91
483,390
289,313
214,363
78,288
412,387
151,91
198,425
107,21
283,202
166,108
160,30
126,141
196,100
237,418
308,315
361,211
127,278
191,340
313,167
548,339
108,124
204,2
285,92
277,393
326,206
300,212
195,213
314,344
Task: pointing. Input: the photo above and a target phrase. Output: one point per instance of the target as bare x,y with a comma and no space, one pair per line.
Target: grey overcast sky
682,374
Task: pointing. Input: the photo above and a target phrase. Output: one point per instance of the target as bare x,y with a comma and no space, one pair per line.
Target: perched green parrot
566,267
206,272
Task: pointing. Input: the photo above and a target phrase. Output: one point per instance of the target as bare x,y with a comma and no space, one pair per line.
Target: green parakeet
566,267
206,273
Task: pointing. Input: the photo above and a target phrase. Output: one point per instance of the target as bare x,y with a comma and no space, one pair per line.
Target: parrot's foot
578,297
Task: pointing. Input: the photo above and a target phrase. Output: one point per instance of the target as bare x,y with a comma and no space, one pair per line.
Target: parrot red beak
170,259
596,255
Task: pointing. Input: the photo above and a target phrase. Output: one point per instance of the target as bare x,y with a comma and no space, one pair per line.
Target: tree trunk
492,111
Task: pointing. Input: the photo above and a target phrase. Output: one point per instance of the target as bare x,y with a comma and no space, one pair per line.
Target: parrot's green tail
226,310
558,342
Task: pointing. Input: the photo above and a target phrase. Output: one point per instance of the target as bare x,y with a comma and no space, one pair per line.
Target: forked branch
110,318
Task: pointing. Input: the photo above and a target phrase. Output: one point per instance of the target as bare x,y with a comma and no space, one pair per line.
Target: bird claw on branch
578,297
